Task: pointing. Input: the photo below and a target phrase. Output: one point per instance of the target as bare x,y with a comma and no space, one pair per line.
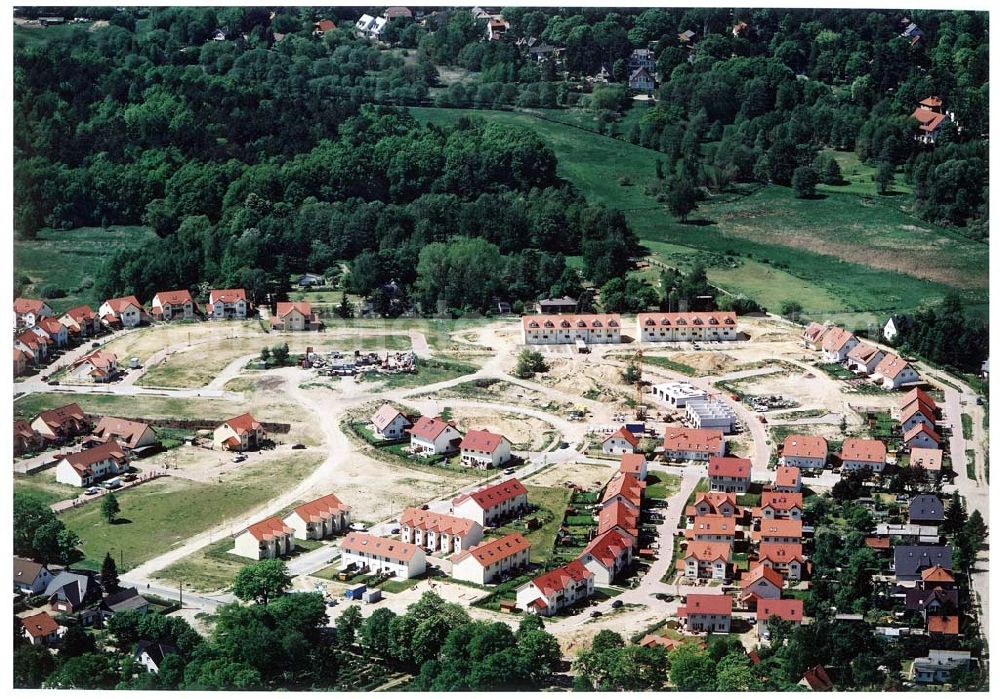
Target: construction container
355,592
371,596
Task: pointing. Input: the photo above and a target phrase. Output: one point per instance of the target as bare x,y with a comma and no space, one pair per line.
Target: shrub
50,291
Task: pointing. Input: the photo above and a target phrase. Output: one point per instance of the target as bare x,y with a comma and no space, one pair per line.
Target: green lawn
71,260
43,485
837,255
660,485
670,364
970,464
131,406
159,515
428,371
552,504
26,37
966,426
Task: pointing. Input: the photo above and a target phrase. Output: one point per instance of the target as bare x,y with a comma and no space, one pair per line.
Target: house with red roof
597,329
930,116
54,330
40,629
837,343
130,434
61,424
923,437
707,612
389,423
918,394
712,528
80,321
437,531
227,304
619,515
936,576
174,305
761,583
779,531
492,504
812,336
776,505
84,468
804,451
708,326
125,312
432,435
240,433
99,366
295,316
785,558
684,444
622,487
492,560
635,465
942,625
864,358
21,361
269,538
379,554
607,555
323,26
484,450
28,311
914,413
620,442
713,503
862,454
319,518
35,346
930,460
557,589
787,479
789,610
729,474
705,559
816,679
25,438
893,373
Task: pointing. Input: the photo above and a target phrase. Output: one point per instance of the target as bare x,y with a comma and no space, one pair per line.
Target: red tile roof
707,551
695,319
227,295
933,101
429,428
81,461
489,552
762,571
916,394
101,360
728,467
780,553
172,298
482,440
494,495
863,352
568,322
928,118
914,407
120,304
683,439
270,528
385,415
706,604
922,427
936,574
242,424
785,609
868,450
632,464
608,547
624,434
878,542
891,366
817,679
50,325
716,525
814,332
562,577
804,446
780,501
23,305
787,476
40,625
626,485
23,429
715,500
363,542
285,307
836,338
57,417
780,527
947,625
321,508
426,520
326,25
127,432
621,514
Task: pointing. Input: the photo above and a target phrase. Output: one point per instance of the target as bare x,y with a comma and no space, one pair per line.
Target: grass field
966,426
131,406
838,255
552,504
660,485
43,485
26,37
159,515
428,371
71,260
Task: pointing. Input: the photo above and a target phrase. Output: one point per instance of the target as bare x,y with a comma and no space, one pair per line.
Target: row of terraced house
840,346
606,328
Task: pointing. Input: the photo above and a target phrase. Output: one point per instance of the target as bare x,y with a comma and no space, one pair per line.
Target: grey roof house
29,576
926,508
68,591
124,600
908,561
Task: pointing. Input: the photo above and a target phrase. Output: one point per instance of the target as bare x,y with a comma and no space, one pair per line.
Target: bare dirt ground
807,388
585,377
585,475
525,433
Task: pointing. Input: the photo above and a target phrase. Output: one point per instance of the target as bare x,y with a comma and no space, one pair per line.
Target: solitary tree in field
262,581
804,181
280,353
265,354
110,508
529,363
790,309
682,198
885,174
109,574
345,310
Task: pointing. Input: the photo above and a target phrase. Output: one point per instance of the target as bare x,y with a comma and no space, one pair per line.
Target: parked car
509,471
95,345
239,457
53,382
564,445
91,491
617,604
594,614
298,446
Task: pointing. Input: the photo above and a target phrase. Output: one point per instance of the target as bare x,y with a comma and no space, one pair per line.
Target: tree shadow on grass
698,222
120,520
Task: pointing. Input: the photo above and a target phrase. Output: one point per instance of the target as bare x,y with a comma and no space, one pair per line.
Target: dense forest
279,150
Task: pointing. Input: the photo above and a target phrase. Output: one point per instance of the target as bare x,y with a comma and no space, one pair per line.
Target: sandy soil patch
626,621
585,475
525,433
811,388
585,378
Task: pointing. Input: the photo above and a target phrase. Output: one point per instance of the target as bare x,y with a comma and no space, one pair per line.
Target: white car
91,491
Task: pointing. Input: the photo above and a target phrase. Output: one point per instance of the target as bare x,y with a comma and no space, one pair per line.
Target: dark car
53,382
298,446
596,614
617,604
95,345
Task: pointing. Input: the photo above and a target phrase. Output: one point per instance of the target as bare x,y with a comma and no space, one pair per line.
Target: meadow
846,255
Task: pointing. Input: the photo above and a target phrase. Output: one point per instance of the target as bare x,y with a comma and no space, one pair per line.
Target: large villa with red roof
492,504
320,518
439,532
486,562
174,305
557,589
240,433
709,326
484,450
601,329
269,538
432,435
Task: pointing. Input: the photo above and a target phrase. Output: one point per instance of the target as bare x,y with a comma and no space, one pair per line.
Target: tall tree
109,574
262,581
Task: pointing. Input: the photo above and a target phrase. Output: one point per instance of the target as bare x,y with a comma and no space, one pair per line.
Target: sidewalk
64,505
